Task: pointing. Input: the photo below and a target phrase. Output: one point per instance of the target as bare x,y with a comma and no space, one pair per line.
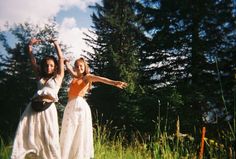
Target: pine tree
116,56
183,41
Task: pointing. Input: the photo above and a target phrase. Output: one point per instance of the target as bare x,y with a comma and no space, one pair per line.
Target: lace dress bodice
48,88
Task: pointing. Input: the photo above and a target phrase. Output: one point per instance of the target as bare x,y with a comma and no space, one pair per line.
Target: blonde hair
86,66
86,69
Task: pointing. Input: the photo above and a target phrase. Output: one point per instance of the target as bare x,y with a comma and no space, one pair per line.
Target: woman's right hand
52,40
34,41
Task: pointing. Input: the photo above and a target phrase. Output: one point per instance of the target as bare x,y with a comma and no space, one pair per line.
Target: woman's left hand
120,84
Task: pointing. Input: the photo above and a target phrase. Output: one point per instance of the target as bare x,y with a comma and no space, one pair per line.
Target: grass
4,150
160,146
109,146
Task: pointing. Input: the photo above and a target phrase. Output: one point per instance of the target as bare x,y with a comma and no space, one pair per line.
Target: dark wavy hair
43,64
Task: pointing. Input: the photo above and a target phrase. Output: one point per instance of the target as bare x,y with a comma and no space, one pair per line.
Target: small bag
39,106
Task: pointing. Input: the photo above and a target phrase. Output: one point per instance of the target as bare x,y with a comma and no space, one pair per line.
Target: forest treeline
178,57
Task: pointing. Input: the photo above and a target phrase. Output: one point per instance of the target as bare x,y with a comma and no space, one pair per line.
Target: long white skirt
76,136
37,133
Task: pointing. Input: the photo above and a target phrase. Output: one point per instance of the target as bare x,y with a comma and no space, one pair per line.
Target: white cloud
36,11
73,36
39,11
68,22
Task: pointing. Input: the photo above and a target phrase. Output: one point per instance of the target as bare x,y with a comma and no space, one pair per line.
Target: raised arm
93,78
60,58
34,64
70,69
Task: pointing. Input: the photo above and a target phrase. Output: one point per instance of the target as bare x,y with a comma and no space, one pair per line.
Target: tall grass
162,145
4,150
116,146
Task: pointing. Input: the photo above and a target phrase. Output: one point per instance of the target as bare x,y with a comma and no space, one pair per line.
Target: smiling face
80,67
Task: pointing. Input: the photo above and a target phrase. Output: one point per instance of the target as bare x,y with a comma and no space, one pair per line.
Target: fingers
122,85
34,41
66,61
51,40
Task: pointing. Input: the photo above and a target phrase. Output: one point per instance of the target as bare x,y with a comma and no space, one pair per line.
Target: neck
80,76
47,76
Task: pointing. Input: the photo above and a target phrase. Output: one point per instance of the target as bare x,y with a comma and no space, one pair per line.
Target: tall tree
116,56
185,40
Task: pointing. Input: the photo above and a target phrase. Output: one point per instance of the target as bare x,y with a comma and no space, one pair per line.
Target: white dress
76,136
38,132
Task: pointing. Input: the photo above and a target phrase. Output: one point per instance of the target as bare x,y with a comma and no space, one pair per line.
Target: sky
72,18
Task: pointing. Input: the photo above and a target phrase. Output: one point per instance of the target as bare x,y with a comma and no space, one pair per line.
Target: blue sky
82,17
72,17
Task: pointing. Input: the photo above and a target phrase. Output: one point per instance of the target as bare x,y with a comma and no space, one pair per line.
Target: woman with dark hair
43,63
76,136
37,134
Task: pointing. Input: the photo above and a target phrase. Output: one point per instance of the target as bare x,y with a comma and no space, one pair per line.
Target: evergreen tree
184,39
116,56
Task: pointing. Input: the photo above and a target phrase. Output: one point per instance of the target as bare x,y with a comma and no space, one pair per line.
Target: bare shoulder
89,77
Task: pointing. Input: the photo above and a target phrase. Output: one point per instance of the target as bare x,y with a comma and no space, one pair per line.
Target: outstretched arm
34,64
70,69
93,78
60,58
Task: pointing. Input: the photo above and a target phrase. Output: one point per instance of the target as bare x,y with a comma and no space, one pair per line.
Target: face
79,67
49,67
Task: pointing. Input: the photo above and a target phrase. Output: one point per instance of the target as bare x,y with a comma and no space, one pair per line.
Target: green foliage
178,58
167,51
116,146
117,57
182,43
161,145
4,149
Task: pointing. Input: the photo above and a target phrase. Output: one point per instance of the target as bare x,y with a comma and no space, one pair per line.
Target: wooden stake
202,143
